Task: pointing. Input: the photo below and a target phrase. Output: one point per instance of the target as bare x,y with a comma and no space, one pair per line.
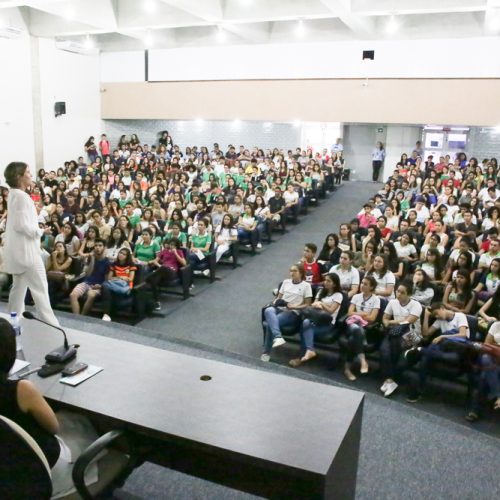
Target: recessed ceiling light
221,34
69,13
149,6
148,39
493,20
392,25
300,29
89,42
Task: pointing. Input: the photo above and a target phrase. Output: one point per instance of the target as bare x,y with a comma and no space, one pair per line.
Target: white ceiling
134,24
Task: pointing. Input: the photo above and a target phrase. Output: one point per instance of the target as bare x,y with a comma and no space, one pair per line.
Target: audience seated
430,234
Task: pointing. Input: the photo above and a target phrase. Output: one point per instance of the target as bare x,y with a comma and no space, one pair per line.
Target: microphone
61,354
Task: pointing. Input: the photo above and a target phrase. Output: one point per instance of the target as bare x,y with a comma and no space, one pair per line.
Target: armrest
76,279
86,457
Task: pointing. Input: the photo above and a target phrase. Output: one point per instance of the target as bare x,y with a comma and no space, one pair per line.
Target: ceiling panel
170,23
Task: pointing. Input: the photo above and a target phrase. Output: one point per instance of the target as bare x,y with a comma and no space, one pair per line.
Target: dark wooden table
260,432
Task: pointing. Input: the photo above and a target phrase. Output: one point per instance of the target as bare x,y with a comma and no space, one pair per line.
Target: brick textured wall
189,133
483,143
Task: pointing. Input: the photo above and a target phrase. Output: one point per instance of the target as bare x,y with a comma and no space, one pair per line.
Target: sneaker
259,245
106,317
279,341
390,389
157,306
472,416
413,398
248,246
206,272
265,357
295,362
196,271
383,387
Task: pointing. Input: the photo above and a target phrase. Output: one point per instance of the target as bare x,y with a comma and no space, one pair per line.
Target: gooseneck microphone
61,354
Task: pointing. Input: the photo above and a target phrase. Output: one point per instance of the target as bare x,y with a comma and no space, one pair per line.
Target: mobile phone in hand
69,371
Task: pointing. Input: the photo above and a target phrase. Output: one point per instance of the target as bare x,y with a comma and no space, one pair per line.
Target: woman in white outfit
21,255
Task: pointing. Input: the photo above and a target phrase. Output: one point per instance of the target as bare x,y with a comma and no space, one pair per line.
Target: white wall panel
16,105
122,66
74,79
446,58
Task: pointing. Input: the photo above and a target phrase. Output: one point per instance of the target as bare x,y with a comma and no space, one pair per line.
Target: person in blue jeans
449,326
488,378
294,294
329,300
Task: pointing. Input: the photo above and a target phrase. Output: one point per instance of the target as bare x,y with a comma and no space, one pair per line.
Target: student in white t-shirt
297,293
399,311
363,311
384,277
448,326
348,274
225,234
405,248
329,300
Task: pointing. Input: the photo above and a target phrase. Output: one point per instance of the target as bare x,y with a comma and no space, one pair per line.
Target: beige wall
439,101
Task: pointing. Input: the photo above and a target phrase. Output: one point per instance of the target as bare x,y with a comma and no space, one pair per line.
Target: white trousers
221,250
34,278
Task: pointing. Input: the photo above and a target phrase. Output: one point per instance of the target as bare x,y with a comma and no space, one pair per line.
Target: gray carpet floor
417,452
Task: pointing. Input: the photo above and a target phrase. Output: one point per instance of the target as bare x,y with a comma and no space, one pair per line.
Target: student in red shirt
120,280
311,266
385,232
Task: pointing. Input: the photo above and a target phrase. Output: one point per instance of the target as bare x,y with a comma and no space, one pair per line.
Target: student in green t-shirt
145,251
200,247
175,232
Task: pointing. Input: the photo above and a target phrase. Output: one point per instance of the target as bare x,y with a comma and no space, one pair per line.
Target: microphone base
61,354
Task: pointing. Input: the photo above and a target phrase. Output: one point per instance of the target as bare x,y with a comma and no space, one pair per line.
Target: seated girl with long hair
363,311
294,294
328,300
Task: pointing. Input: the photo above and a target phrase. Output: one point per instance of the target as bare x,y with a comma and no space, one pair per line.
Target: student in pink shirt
366,219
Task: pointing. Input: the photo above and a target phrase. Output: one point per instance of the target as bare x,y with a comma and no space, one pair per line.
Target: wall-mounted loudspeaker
59,109
368,54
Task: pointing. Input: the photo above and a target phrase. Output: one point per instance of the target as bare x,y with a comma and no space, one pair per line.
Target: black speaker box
59,108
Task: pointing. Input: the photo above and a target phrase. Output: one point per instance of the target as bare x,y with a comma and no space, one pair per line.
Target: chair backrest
24,470
344,306
77,265
474,333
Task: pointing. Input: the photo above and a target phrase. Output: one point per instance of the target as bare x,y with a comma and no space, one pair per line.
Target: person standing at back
378,157
22,256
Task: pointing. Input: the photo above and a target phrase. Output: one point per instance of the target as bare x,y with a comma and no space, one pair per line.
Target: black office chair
25,472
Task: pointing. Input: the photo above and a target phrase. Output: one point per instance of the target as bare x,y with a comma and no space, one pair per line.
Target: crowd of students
157,209
413,276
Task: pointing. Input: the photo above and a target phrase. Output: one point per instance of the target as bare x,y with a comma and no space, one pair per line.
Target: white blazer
22,234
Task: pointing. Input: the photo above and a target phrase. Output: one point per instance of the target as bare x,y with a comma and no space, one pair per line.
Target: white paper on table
19,365
74,380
